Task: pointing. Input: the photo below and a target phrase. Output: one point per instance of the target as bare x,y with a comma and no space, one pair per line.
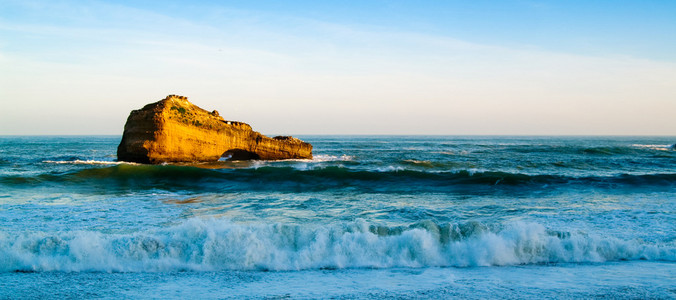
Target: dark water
383,216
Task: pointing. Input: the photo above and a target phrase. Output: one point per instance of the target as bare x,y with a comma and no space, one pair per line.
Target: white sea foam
315,159
390,169
418,162
323,158
463,152
87,162
302,164
653,147
205,245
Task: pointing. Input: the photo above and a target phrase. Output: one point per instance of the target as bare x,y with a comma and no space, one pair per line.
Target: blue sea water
368,217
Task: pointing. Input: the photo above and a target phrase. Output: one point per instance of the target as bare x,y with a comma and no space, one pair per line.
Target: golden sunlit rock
175,130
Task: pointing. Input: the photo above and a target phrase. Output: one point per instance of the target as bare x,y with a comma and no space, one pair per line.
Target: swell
208,245
186,176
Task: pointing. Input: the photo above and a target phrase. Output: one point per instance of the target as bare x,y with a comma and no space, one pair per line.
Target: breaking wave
212,244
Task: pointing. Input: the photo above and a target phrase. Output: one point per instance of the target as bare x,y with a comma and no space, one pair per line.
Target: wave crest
87,162
208,245
191,177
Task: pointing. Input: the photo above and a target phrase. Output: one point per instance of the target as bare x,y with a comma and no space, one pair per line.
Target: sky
513,67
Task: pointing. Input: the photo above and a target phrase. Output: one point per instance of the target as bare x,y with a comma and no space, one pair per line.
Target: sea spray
213,244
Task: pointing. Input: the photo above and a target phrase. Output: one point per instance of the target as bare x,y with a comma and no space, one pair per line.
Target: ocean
368,217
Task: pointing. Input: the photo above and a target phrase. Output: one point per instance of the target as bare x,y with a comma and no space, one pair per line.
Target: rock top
175,130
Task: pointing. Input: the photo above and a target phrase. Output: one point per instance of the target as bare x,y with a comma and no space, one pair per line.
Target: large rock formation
175,130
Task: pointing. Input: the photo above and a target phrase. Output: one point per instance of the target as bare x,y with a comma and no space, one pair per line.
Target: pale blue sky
344,67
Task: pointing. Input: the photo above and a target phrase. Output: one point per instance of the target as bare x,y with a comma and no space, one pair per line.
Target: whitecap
87,162
654,147
217,244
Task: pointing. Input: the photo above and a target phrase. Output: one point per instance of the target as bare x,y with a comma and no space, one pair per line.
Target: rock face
175,130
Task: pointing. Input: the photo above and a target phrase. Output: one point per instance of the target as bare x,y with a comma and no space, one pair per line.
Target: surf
213,244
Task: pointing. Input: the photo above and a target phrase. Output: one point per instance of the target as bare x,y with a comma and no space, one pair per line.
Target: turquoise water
369,216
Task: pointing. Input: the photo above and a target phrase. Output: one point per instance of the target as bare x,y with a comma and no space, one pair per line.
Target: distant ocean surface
368,217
